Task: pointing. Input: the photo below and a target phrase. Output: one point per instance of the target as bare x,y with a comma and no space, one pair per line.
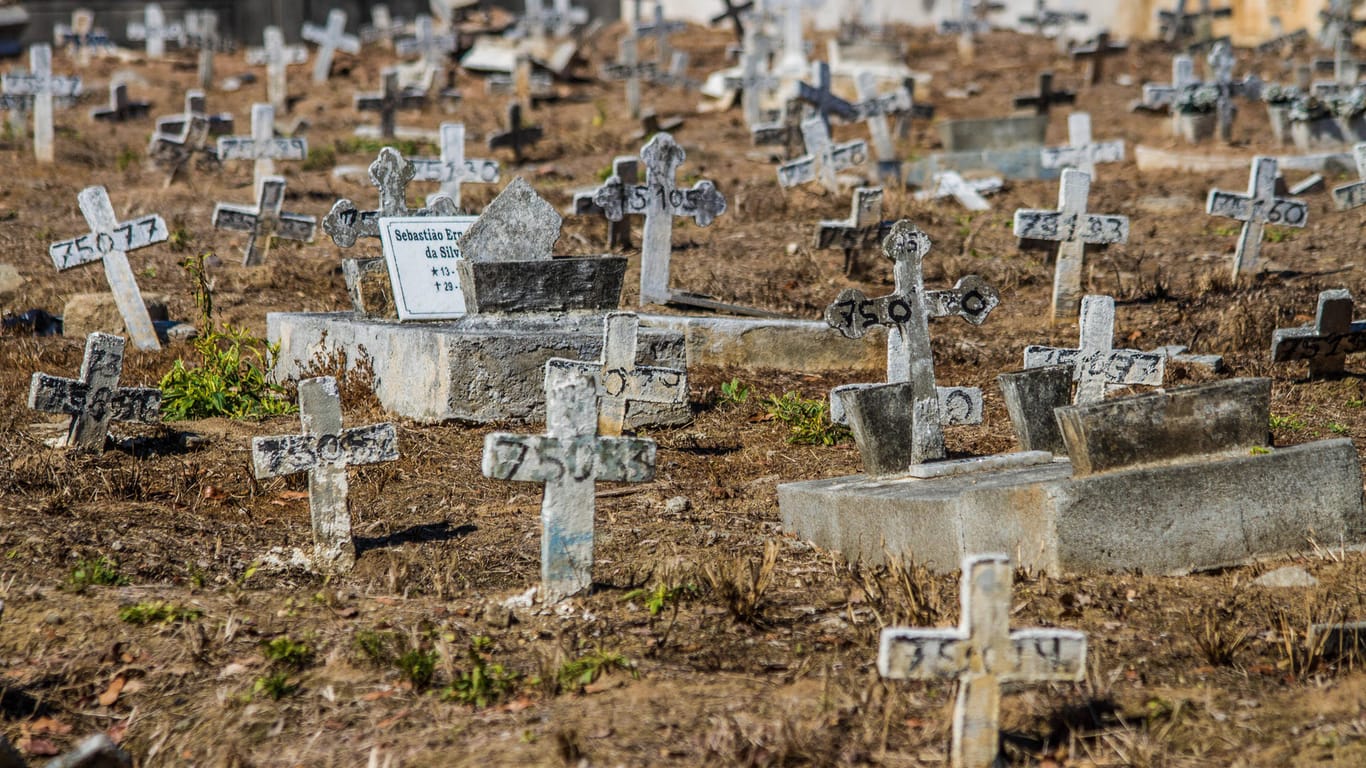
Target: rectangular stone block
770,343
1031,397
993,133
553,285
368,284
1026,163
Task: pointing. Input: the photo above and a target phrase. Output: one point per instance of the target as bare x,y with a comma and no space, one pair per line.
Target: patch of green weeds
287,652
1279,234
275,685
662,596
808,419
1286,422
125,159
1259,450
485,682
418,667
157,612
322,158
179,239
734,392
576,673
1337,428
357,145
96,572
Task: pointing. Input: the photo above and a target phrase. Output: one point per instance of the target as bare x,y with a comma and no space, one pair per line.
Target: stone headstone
423,281
95,399
518,225
1326,343
1096,366
993,133
1256,209
1031,396
265,221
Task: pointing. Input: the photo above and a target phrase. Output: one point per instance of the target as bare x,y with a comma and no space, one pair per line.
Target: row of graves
478,318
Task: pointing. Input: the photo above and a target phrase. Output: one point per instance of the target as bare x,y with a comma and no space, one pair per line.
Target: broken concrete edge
764,343
1154,159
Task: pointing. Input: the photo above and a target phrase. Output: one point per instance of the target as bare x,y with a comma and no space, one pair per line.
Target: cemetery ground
136,602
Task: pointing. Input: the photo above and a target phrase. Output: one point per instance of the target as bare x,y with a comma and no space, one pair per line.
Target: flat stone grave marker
1082,152
823,160
820,97
264,221
1095,53
120,106
1096,366
329,39
1071,227
1353,195
969,194
620,381
1179,25
518,135
452,168
276,56
1158,96
41,85
863,228
154,31
659,200
324,450
1256,209
95,399
390,174
626,168
420,254
906,313
262,146
1326,343
982,654
109,242
629,68
387,102
1043,101
568,459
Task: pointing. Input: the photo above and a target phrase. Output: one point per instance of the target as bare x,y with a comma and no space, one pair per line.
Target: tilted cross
452,169
179,138
1178,24
264,221
262,146
787,131
864,227
820,96
620,381
628,67
659,200
108,242
1081,151
981,654
324,450
277,57
823,159
390,174
569,459
1327,343
873,109
1095,52
1352,195
388,101
518,134
40,84
969,194
1071,227
906,313
329,40
1256,209
154,31
734,13
95,399
120,107
1043,101
660,29
1163,95
1097,366
627,169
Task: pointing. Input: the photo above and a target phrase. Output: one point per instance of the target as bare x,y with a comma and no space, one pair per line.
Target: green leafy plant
808,419
418,667
363,146
276,685
96,572
1279,234
179,239
576,673
1286,422
320,159
1337,428
485,682
125,159
734,392
662,596
288,652
157,612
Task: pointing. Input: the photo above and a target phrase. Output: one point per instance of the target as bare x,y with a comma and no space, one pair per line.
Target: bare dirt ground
693,649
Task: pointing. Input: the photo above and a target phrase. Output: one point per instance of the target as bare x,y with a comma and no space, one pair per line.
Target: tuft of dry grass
741,584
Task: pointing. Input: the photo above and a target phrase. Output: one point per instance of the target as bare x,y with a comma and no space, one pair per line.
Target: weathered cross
154,31
95,399
620,381
264,221
626,168
786,131
969,194
1256,209
1178,24
1158,96
1349,196
1095,52
120,107
628,67
1071,227
823,159
734,12
381,28
390,174
432,47
81,37
754,82
569,459
201,33
329,40
1221,64
277,57
518,135
676,76
452,169
262,146
1328,341
1043,101
1044,18
1338,22
906,313
981,654
324,450
1081,151
1345,68
971,21
1096,365
196,107
863,228
40,84
873,109
388,101
178,138
822,99
660,28
659,199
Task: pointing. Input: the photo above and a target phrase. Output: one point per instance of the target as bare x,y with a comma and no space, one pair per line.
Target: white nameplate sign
421,253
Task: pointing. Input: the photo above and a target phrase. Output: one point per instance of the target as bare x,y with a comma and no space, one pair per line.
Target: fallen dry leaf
111,694
39,747
44,725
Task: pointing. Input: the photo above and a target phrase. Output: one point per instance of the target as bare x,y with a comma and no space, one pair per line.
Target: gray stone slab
517,225
555,285
1166,519
1031,396
368,285
993,133
478,368
1011,163
766,343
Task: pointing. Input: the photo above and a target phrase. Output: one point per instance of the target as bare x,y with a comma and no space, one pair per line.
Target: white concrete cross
277,57
1097,366
390,173
1256,209
201,32
862,229
1081,151
971,22
80,37
452,169
659,200
626,168
569,459
792,60
660,28
1346,71
432,47
109,241
388,101
981,654
154,31
1352,195
1221,62
1044,18
95,399
620,381
40,84
1328,341
906,313
630,68
1071,227
264,221
754,82
324,450
823,160
329,39
969,194
382,27
262,146
1163,95
865,85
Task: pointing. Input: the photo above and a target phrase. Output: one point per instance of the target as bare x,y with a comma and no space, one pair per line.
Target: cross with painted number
1327,343
264,221
823,160
1163,95
1349,196
120,107
262,146
822,99
109,242
41,85
1081,151
1071,227
969,194
518,135
906,313
1097,366
390,174
329,40
981,654
277,57
864,227
154,31
388,101
659,200
324,451
569,460
452,169
95,399
622,382
1256,209
626,168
